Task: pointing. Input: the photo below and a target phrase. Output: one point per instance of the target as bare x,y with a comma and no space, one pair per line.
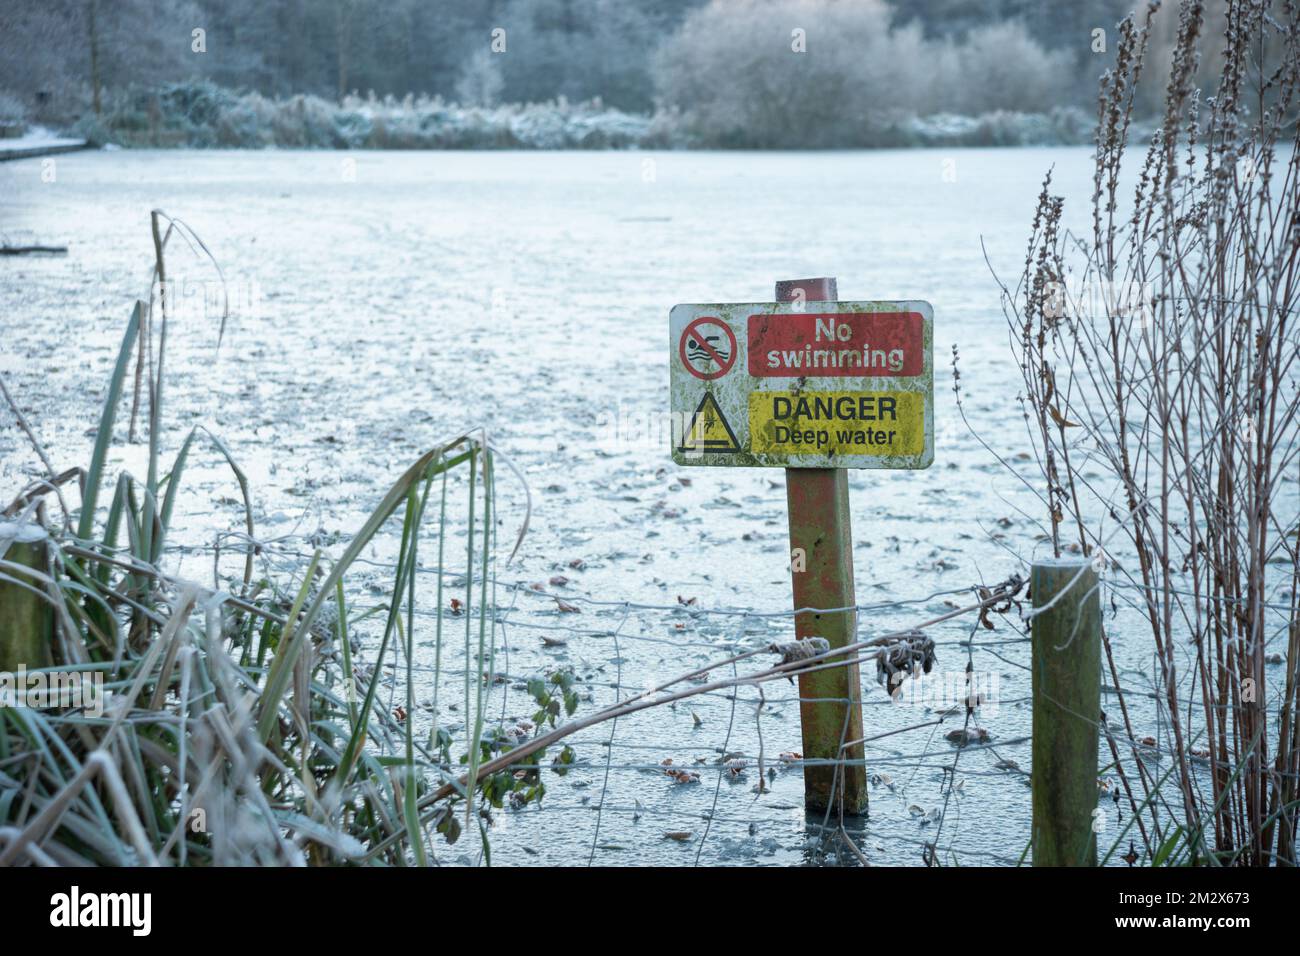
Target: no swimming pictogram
708,348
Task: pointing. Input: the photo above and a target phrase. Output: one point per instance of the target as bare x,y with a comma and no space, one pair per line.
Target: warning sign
807,385
708,431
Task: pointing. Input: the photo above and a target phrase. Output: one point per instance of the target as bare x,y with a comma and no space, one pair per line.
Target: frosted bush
12,109
1000,67
743,74
735,71
248,122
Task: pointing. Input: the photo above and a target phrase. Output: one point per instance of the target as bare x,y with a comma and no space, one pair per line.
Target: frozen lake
387,301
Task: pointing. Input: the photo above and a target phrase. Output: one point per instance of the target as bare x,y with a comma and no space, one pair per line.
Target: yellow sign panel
837,423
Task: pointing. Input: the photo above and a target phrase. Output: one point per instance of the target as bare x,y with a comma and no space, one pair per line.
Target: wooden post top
823,289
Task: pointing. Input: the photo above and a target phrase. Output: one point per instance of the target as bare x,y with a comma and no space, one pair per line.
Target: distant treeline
747,73
201,114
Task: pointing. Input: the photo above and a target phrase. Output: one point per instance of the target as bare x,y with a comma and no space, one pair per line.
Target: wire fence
698,758
682,743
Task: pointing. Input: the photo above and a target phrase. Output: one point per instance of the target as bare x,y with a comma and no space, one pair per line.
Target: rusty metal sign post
815,386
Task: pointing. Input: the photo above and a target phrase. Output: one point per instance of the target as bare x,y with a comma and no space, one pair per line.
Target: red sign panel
836,345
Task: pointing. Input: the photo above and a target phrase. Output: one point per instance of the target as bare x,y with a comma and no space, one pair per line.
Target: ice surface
386,301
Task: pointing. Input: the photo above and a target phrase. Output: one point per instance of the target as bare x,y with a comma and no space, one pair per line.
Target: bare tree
92,43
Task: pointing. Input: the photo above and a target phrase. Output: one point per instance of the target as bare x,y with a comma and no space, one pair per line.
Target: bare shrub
1159,357
734,71
1000,66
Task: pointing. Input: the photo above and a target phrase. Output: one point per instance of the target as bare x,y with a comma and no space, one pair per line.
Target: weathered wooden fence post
821,541
26,618
1066,630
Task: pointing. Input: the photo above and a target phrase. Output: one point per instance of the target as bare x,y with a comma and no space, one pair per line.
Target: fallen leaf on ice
969,735
679,776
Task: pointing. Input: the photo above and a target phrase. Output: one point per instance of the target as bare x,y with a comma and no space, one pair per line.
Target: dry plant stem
1179,381
27,429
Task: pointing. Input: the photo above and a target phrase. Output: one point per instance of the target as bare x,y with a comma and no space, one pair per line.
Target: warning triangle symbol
708,431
